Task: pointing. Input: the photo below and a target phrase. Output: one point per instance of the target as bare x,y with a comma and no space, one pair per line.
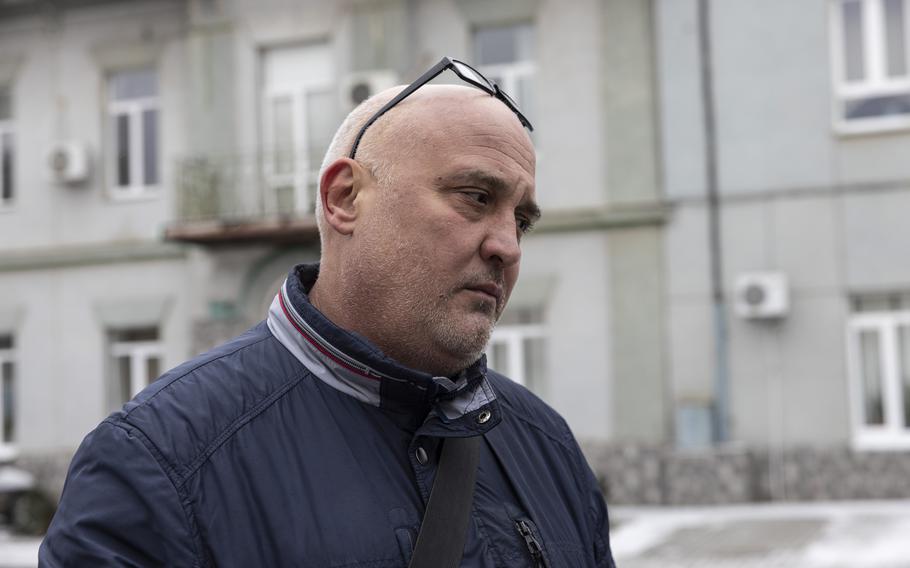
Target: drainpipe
720,416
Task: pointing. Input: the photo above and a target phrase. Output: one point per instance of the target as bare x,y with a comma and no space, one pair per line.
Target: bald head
410,125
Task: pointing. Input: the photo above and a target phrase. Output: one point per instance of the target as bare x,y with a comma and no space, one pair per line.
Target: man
314,438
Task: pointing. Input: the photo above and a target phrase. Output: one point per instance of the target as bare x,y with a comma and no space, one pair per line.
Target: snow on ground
18,552
791,535
876,541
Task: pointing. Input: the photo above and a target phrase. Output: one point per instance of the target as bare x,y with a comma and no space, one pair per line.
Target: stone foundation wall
721,477
650,475
842,474
49,469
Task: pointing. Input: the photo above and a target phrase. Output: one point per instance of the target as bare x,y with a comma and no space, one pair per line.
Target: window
134,132
7,390
299,117
517,348
505,54
878,346
872,75
7,147
135,362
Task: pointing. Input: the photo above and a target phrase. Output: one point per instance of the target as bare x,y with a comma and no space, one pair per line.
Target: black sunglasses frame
487,86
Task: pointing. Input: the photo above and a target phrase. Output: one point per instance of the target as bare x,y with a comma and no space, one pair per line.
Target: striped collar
351,364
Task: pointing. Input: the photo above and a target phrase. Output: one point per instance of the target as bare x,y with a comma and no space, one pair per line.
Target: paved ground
818,535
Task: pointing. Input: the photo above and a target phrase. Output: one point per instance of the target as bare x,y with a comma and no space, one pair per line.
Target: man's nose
501,243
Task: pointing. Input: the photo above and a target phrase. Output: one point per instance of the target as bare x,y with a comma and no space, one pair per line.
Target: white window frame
132,109
7,127
876,83
513,337
510,73
138,352
304,173
7,355
893,434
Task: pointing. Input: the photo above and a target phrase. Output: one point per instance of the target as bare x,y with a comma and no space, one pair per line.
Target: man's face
442,244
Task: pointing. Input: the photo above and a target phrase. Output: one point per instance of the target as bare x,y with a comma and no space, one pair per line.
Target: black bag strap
440,543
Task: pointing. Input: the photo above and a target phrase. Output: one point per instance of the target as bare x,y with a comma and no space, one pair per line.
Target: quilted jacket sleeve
118,508
600,520
598,517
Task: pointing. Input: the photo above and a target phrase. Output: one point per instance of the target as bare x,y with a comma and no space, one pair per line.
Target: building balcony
250,199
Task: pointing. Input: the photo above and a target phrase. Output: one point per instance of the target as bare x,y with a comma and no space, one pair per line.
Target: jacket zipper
532,543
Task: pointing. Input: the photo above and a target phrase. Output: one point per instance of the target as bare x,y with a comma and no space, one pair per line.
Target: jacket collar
354,366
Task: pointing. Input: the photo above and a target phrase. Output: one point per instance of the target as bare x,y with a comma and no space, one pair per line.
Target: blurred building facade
159,170
811,104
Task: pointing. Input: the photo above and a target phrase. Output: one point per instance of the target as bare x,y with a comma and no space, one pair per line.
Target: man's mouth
490,289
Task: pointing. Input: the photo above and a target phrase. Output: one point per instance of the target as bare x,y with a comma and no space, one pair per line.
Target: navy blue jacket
300,444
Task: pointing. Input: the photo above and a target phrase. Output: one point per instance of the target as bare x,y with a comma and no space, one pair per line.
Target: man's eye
478,196
524,225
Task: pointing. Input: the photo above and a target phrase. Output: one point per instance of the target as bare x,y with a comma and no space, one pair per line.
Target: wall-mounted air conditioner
761,295
69,163
359,86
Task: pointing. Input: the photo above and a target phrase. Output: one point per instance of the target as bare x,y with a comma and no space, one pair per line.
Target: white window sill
882,441
871,127
149,193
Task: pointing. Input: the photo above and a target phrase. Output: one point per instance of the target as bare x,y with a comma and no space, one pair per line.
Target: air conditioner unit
69,163
359,86
761,295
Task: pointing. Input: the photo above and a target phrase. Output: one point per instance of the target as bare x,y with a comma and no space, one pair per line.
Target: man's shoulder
197,403
522,404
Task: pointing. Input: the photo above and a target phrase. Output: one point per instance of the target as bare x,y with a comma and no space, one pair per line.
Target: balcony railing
253,197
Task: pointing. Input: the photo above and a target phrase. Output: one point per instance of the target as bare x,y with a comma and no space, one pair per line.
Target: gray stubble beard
465,347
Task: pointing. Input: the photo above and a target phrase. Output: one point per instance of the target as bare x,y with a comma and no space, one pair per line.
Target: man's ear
339,188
